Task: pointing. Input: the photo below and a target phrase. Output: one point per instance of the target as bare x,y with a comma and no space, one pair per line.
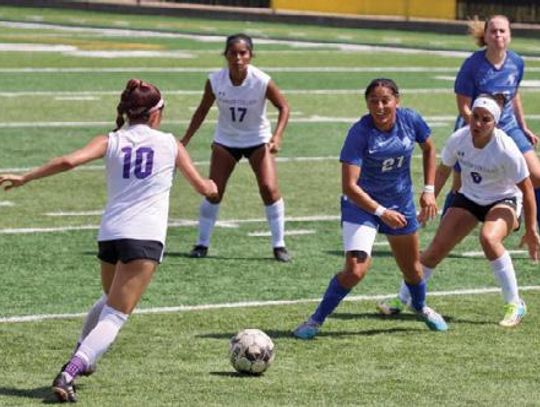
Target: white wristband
429,189
379,211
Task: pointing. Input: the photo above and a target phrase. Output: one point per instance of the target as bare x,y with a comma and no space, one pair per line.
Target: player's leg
406,253
222,164
358,242
263,163
453,228
499,223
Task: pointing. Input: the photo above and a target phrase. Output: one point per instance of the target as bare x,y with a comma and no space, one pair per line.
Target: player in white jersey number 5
140,164
240,91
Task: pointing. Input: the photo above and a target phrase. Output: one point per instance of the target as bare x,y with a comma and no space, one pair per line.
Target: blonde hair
477,28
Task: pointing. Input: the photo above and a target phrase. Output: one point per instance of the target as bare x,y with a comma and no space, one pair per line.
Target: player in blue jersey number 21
378,197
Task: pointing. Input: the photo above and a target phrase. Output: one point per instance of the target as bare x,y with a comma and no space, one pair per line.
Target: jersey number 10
144,161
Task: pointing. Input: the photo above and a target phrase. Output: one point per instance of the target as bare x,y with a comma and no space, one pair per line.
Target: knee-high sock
537,195
275,215
404,293
418,295
92,318
208,213
331,299
97,341
503,270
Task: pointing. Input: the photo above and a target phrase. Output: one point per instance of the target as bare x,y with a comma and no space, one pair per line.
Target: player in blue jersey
496,70
378,197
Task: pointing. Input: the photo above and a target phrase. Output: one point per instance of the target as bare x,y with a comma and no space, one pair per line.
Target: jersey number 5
238,113
144,161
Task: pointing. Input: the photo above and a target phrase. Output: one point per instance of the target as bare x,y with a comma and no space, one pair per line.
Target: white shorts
358,237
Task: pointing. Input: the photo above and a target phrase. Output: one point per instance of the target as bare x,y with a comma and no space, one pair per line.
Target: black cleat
64,390
198,252
281,254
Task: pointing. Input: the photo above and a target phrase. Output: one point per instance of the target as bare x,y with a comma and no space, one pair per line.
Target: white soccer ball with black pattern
251,351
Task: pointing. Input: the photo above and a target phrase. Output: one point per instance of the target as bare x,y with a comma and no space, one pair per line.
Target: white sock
208,213
503,270
275,214
92,317
404,294
102,336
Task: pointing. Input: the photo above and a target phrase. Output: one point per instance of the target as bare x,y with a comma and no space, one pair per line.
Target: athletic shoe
281,254
307,330
433,320
513,314
391,306
199,251
64,390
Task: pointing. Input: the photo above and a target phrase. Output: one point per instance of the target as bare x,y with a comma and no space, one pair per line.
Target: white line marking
248,304
6,203
287,233
481,254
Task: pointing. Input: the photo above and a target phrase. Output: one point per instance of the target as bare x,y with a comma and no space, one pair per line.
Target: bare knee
356,267
269,194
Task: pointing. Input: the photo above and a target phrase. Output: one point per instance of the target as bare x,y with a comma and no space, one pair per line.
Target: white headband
490,105
158,106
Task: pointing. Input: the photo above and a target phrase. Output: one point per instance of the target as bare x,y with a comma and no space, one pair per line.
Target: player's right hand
394,219
12,181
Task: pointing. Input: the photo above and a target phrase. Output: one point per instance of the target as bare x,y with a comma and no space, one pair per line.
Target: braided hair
137,101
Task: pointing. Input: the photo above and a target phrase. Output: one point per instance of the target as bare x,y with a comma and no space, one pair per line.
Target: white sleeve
449,151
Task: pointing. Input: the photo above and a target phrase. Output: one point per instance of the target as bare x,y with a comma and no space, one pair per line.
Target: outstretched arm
95,149
198,117
274,95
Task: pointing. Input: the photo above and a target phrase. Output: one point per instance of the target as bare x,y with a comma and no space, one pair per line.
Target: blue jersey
477,75
385,157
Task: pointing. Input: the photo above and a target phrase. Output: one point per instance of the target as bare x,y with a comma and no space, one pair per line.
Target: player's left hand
532,240
274,146
428,206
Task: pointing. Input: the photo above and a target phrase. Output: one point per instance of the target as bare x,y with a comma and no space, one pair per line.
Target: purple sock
331,299
418,295
75,367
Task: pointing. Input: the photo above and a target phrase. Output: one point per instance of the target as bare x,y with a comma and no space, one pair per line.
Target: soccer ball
251,351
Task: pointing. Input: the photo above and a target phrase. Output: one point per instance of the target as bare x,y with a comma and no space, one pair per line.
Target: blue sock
332,297
418,295
537,194
448,201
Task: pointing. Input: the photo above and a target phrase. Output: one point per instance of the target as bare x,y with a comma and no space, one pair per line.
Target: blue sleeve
422,130
464,84
354,146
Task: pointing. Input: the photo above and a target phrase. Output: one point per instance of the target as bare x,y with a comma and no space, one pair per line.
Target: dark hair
385,83
233,39
499,98
136,101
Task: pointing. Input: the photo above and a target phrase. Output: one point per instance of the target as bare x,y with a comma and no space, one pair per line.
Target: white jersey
488,174
242,120
140,163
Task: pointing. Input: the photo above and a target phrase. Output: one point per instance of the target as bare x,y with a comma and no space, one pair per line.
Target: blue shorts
354,214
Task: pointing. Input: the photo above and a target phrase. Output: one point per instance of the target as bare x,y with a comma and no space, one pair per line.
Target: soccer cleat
513,314
64,390
281,254
433,320
391,306
307,330
199,251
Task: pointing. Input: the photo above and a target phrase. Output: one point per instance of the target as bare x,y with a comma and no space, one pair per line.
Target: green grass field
60,84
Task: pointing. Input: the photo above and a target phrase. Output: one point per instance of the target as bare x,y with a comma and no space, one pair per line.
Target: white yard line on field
248,304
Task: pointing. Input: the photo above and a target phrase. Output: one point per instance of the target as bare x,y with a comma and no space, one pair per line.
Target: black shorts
238,153
126,250
480,211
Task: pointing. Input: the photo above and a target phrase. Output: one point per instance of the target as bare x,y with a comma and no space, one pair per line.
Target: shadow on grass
404,317
237,375
219,258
